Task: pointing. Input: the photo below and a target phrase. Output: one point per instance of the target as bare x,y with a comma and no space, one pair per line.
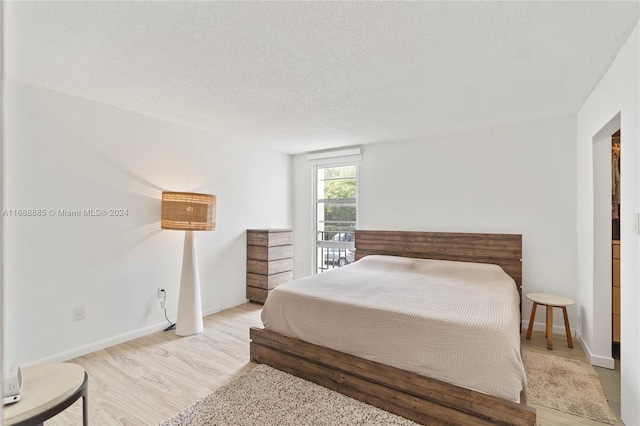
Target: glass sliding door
336,215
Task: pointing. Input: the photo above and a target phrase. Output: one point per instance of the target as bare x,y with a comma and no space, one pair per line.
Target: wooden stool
48,390
550,301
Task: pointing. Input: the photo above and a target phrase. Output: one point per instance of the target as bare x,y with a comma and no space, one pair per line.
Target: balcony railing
334,249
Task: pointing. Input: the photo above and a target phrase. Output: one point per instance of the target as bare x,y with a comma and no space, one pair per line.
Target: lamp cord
164,306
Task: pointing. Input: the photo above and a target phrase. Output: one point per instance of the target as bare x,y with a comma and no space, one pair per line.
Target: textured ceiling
303,76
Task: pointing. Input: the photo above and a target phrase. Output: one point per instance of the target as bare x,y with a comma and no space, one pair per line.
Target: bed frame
415,397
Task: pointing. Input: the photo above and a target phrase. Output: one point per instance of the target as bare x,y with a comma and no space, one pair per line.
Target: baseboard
211,311
99,345
111,341
597,360
557,329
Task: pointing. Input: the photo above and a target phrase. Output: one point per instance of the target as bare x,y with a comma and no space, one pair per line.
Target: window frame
315,200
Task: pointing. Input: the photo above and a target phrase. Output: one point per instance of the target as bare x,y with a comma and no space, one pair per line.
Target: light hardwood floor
146,380
611,385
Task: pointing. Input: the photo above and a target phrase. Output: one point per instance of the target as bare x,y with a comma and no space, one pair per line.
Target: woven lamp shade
188,211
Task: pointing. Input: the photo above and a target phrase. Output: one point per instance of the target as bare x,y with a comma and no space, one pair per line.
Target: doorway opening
607,244
615,244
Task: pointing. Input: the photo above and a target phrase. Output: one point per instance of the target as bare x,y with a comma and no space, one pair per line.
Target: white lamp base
189,320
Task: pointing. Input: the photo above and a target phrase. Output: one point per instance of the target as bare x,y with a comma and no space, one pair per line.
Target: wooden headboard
504,250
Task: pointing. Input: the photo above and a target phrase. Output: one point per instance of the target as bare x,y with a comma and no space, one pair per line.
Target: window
336,215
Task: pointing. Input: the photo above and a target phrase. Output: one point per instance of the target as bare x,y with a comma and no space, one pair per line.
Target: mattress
453,321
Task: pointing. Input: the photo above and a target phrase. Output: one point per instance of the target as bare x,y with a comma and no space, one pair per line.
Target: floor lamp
188,211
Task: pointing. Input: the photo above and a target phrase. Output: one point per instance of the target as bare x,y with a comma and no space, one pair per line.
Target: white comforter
453,321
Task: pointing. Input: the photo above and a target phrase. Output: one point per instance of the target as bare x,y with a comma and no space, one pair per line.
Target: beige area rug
565,385
265,396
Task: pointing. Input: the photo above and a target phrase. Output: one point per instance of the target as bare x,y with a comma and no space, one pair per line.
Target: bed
400,368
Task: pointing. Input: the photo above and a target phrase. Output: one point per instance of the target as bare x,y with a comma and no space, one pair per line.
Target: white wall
63,152
1,205
617,93
512,179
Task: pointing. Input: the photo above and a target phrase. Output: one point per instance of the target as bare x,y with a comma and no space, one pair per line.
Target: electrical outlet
162,295
78,314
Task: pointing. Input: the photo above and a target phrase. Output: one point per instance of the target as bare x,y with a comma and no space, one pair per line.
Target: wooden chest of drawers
269,261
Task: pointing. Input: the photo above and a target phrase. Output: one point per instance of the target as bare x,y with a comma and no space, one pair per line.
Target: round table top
550,299
43,387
